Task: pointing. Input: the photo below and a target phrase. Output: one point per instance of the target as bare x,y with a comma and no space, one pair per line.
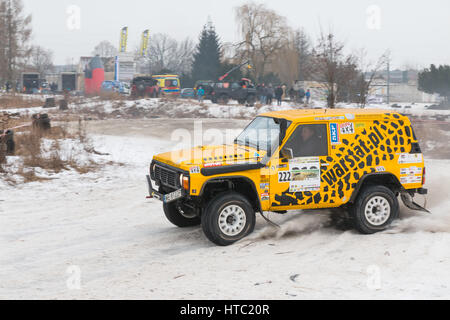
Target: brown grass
111,96
19,102
29,149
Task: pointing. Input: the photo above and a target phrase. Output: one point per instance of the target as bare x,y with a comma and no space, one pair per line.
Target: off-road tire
224,99
360,209
251,100
177,218
212,213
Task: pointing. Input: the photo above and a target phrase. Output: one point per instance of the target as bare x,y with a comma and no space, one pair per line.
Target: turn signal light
184,181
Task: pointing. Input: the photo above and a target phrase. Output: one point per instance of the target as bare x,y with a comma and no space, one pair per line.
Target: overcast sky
416,32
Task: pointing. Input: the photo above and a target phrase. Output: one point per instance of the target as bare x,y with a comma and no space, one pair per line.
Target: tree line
17,54
277,53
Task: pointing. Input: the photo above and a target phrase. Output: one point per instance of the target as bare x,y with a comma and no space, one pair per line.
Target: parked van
169,84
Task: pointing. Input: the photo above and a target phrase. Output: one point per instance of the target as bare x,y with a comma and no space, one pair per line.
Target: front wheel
228,218
375,209
180,215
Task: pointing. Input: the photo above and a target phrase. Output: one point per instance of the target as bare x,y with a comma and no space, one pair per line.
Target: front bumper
165,198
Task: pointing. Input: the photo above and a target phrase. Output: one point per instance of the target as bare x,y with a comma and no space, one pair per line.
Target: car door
296,181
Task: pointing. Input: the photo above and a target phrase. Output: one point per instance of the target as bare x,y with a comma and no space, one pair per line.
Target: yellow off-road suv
359,160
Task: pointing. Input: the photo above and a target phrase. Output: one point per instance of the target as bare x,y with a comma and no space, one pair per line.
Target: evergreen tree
436,80
207,57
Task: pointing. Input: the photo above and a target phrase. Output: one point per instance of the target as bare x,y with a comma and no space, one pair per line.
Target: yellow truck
358,160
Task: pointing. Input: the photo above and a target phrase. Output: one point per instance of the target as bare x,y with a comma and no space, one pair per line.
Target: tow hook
408,200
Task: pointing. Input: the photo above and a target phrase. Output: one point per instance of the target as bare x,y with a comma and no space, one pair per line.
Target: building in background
403,87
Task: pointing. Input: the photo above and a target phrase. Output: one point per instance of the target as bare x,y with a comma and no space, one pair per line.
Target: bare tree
369,71
105,49
182,57
264,33
41,60
15,33
286,63
167,54
328,53
348,78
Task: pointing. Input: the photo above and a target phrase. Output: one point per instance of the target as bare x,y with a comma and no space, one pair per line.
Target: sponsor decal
304,175
265,196
347,128
407,158
264,186
330,118
412,171
195,170
380,169
213,165
334,133
411,180
360,125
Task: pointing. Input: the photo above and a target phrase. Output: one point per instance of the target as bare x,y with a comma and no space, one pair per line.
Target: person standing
200,94
308,96
292,94
301,95
279,95
270,94
263,94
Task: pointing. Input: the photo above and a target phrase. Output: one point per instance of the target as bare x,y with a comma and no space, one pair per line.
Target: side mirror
287,153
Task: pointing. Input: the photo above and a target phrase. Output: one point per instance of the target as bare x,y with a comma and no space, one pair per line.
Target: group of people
34,87
266,94
300,96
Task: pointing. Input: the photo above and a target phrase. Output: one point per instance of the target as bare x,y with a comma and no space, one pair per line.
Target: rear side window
310,140
171,83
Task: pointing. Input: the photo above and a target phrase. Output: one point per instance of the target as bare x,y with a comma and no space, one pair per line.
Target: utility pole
389,82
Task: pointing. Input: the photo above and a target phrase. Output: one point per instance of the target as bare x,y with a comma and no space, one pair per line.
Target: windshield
263,134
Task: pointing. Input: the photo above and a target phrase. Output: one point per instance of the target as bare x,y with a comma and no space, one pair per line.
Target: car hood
211,156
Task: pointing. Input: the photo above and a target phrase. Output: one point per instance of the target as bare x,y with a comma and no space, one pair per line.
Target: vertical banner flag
144,43
116,69
123,39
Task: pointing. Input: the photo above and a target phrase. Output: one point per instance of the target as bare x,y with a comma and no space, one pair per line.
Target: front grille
166,177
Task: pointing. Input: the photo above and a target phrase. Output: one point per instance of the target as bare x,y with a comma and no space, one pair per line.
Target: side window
310,140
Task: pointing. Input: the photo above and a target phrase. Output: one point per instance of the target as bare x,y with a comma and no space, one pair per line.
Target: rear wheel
251,100
228,218
224,99
180,215
375,209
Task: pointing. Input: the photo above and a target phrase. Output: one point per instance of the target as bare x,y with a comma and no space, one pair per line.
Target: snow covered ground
100,229
183,108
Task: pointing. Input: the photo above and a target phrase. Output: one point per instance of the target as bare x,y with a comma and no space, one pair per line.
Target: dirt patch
19,102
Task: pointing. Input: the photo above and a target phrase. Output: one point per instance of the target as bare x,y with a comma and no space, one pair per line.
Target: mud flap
408,200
